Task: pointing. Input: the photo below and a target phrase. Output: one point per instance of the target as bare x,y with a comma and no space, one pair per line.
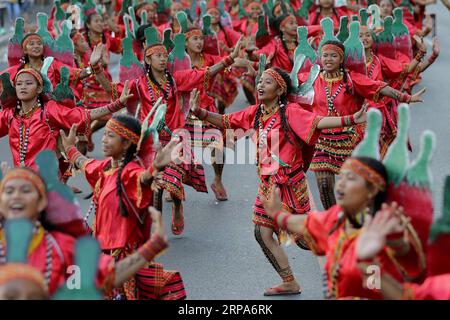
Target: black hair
283,104
380,197
140,32
133,125
42,98
319,10
276,26
25,58
88,21
148,69
342,66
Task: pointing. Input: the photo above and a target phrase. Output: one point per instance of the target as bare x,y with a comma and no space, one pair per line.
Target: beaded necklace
330,99
335,268
48,257
262,135
153,88
372,68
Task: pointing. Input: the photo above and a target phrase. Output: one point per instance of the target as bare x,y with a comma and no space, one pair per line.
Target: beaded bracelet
115,106
275,217
96,69
419,55
404,97
228,61
352,120
152,247
432,58
73,153
343,122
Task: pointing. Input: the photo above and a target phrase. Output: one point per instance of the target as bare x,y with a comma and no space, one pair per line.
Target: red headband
253,4
193,32
366,172
278,78
122,131
33,72
330,46
286,20
24,174
29,38
155,49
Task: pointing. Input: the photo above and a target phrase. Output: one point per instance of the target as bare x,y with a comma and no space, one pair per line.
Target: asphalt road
217,254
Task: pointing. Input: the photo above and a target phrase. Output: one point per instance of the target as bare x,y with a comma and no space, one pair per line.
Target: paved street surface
217,254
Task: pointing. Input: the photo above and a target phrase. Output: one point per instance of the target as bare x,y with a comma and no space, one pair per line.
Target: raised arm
68,141
202,114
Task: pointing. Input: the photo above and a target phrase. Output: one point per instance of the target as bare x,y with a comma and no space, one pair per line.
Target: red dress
111,229
280,161
335,145
344,278
147,94
30,135
282,57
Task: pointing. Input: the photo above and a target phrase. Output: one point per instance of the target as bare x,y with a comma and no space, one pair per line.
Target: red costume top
228,37
30,135
282,58
245,27
61,248
111,229
147,94
304,127
314,18
344,278
434,288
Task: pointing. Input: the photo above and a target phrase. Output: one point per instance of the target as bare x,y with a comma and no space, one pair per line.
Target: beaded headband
15,271
278,78
286,20
33,72
366,172
122,131
333,47
33,36
193,33
25,174
155,49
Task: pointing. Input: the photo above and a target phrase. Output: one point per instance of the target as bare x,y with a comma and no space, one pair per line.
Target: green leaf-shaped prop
144,17
376,22
363,16
242,13
18,234
125,5
183,21
168,43
401,34
303,11
87,256
354,50
128,32
134,22
130,66
178,58
261,67
64,48
396,160
305,48
419,174
328,32
48,87
298,63
151,36
343,29
42,20
203,8
15,51
384,41
407,4
262,35
193,10
63,92
370,146
211,42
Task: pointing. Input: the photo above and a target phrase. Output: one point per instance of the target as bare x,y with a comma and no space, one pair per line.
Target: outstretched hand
167,154
96,54
125,93
361,115
194,101
417,97
70,139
